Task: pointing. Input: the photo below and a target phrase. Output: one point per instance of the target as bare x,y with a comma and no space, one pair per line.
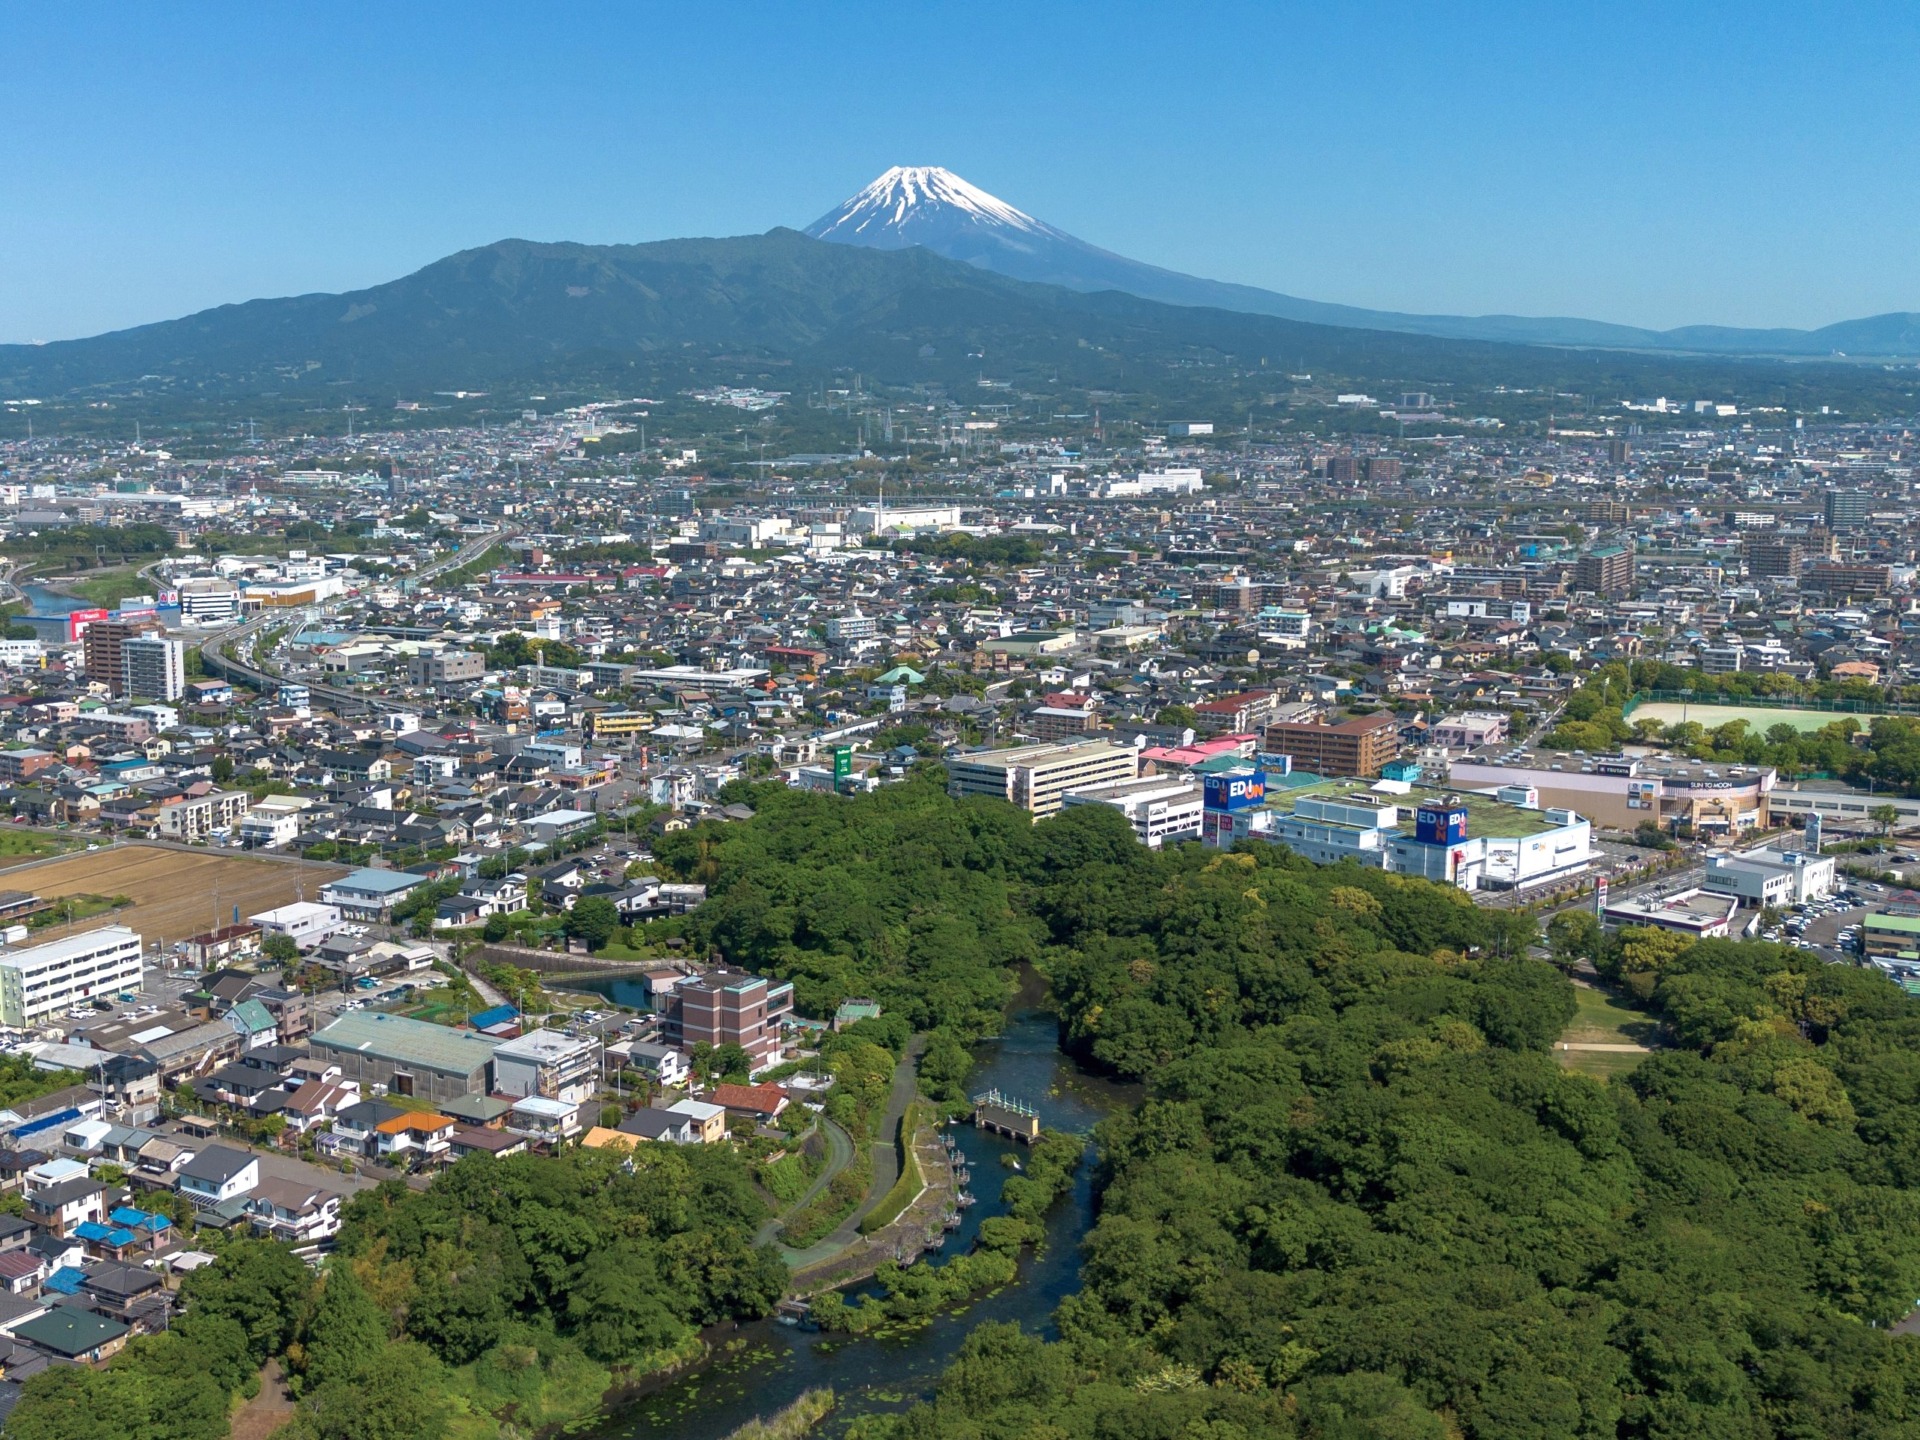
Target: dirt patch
175,893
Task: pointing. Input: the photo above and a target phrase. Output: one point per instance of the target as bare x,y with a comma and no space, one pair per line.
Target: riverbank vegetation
916,1292
1362,1199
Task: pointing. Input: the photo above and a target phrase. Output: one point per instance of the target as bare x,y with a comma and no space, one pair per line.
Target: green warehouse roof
408,1042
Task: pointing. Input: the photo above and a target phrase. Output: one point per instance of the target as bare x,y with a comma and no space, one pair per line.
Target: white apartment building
42,980
273,822
1162,809
196,819
154,667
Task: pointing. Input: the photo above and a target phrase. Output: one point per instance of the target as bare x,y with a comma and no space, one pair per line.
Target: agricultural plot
175,893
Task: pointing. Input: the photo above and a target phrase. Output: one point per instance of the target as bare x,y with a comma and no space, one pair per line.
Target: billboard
1240,791
1813,833
1271,763
842,763
79,620
1440,824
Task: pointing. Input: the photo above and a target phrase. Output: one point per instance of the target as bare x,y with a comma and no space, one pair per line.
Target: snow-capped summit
919,205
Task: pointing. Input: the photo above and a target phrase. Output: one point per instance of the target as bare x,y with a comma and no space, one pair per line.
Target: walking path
267,1411
485,991
886,1163
839,1156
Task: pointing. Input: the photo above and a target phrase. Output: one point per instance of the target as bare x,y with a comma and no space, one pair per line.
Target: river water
762,1366
42,601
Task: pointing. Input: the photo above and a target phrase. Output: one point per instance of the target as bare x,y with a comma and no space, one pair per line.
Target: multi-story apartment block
41,980
1359,746
153,666
730,1007
204,815
103,649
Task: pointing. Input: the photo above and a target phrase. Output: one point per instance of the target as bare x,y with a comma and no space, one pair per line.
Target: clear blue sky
1659,165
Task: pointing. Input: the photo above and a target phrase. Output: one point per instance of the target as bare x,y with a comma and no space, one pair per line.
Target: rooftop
416,1042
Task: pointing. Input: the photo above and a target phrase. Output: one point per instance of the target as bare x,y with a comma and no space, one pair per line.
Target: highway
222,653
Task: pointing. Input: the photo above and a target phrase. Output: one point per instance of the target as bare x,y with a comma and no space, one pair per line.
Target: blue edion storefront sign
1234,792
1440,824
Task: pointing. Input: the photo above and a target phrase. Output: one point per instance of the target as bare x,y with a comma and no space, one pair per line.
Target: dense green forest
1361,1198
1364,1201
523,1286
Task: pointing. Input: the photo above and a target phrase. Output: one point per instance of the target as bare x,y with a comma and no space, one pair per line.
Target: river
42,601
762,1366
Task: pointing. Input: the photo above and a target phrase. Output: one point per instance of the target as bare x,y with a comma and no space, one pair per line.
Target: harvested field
175,893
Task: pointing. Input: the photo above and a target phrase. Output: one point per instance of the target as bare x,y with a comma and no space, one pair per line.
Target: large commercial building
1359,746
1037,777
1474,842
209,601
1624,792
41,980
407,1057
1161,809
730,1007
154,667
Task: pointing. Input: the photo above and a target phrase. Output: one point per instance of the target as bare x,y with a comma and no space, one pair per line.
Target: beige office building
1034,777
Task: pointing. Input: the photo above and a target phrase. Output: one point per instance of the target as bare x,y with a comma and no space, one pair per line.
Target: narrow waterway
763,1366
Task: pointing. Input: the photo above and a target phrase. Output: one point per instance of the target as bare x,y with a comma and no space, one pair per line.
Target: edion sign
1234,792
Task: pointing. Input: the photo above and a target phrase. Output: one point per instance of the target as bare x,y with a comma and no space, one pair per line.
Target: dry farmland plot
176,893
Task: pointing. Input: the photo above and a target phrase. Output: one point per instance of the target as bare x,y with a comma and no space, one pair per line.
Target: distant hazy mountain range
926,205
920,277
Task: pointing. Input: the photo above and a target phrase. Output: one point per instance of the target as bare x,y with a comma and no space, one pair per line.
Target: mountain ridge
931,206
674,312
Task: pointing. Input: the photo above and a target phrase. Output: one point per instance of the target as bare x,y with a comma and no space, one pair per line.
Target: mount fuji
928,206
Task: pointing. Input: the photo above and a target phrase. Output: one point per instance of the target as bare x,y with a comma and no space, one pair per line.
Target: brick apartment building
1359,746
730,1007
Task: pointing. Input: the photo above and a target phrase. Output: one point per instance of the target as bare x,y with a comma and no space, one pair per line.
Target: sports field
175,893
1760,717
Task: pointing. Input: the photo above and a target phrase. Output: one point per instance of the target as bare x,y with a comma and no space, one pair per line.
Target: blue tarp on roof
45,1122
67,1280
498,1015
139,1219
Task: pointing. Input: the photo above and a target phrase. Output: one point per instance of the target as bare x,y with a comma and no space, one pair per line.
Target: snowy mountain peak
919,205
